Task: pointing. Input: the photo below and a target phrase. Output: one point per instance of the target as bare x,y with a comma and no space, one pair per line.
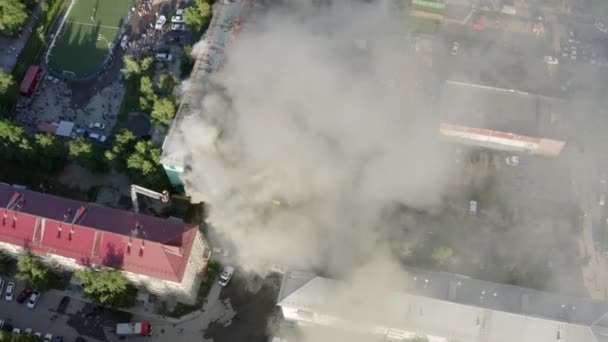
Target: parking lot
43,317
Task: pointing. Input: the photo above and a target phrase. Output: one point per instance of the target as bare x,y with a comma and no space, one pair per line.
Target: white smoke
303,137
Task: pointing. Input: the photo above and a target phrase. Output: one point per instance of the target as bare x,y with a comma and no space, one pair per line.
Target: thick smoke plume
312,126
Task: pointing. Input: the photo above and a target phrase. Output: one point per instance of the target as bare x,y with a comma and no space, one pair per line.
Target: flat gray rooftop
504,110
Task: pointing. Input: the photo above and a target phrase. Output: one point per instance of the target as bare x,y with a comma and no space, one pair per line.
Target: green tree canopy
198,16
186,62
167,83
107,287
87,155
145,158
163,112
131,67
148,96
124,145
36,274
13,15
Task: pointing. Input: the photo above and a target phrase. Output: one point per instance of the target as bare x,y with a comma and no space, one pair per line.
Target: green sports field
90,27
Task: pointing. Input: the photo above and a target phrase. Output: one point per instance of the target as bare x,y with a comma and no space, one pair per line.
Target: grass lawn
90,28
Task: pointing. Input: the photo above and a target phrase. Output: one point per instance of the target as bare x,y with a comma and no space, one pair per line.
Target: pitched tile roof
95,235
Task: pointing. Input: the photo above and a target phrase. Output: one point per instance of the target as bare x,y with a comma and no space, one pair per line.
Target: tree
124,145
13,15
167,83
148,96
50,153
146,65
163,112
107,287
34,272
198,16
145,158
186,62
444,256
8,90
131,68
86,155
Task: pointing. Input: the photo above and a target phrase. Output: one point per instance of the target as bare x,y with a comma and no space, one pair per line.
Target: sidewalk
13,47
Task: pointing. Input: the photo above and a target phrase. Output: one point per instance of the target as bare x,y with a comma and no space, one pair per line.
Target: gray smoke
313,125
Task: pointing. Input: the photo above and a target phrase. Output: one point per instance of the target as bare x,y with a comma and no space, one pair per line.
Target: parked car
124,42
602,200
512,160
178,27
455,48
28,331
16,331
10,292
565,51
160,22
48,337
33,300
226,275
97,125
98,137
63,304
38,334
601,26
24,295
163,56
177,19
473,207
550,60
573,53
5,326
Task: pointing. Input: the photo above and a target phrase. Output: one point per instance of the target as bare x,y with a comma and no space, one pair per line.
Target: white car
177,19
10,292
473,207
455,48
98,137
602,199
551,60
163,56
48,337
124,42
38,334
178,27
33,300
97,125
512,160
16,331
180,11
160,22
28,331
600,26
226,275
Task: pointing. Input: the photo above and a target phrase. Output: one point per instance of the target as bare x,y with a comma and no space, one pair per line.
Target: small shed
65,129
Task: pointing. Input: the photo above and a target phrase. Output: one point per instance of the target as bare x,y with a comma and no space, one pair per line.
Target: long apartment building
221,31
164,256
443,307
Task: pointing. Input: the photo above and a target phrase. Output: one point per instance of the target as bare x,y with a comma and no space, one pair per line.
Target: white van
473,207
163,56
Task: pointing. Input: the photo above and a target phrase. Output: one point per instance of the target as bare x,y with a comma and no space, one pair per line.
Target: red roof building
79,234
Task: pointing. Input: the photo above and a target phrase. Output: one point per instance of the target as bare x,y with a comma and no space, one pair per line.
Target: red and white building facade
164,256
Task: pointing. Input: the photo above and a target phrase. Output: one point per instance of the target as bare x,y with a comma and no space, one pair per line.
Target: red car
24,295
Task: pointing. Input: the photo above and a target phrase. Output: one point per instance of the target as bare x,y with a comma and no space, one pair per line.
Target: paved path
12,48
